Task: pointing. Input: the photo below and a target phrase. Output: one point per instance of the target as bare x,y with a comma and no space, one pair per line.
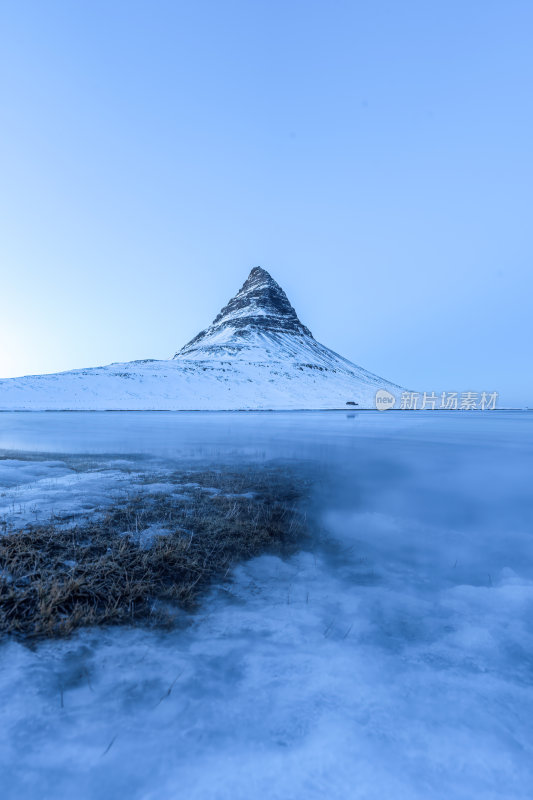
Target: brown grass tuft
54,580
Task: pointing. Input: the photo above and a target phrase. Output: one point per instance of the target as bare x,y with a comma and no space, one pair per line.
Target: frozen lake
392,657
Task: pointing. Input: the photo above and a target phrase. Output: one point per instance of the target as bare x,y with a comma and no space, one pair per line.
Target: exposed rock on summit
260,306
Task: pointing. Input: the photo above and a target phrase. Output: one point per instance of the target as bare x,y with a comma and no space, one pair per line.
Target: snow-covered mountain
255,355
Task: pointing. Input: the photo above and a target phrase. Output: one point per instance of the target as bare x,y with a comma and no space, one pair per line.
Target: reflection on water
391,658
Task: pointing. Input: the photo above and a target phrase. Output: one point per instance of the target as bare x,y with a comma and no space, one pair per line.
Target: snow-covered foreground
391,658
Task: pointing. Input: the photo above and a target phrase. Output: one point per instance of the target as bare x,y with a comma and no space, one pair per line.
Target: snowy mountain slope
255,355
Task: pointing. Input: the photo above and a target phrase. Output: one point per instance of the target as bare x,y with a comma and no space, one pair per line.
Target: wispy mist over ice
391,657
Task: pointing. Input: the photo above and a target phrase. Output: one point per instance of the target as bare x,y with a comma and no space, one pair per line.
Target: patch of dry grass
54,580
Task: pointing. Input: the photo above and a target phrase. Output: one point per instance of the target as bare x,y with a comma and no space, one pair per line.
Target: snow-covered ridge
255,355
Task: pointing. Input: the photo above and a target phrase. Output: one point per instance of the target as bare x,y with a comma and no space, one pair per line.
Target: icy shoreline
142,556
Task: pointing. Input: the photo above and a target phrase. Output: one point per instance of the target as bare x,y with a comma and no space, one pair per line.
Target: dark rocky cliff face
260,293
260,305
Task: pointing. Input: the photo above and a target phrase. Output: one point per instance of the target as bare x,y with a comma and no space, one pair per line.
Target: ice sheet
391,657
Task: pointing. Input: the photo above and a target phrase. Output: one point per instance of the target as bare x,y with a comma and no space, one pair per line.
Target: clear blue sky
376,157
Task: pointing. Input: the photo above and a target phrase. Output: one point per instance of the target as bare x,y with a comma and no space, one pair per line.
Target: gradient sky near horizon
375,157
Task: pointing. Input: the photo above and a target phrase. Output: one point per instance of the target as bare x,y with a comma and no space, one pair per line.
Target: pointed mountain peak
258,273
259,307
257,278
259,296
